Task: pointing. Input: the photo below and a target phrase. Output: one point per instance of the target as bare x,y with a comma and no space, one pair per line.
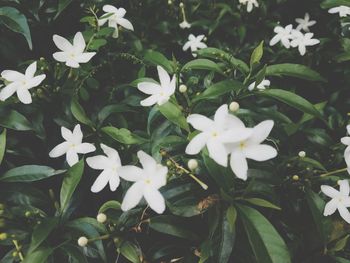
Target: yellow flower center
147,181
242,145
214,134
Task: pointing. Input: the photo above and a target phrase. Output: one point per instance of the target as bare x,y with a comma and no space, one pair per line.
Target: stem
18,249
99,238
334,172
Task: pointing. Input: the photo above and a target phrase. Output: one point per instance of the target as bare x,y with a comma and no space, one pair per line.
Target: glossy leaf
158,59
41,232
123,135
293,70
29,173
14,120
173,113
2,145
201,63
79,113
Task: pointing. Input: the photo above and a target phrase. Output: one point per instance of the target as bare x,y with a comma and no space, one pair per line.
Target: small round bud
205,39
168,163
234,106
302,154
183,88
14,254
295,177
192,164
42,59
2,206
3,236
82,241
181,5
170,2
42,68
27,214
101,218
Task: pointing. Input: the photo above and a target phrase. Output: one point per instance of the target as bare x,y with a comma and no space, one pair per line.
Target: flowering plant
168,131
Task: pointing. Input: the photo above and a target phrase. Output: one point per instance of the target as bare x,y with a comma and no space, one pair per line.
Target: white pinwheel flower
340,200
262,85
346,141
225,128
283,35
72,146
160,93
184,24
251,148
21,83
148,180
305,23
194,43
301,41
115,17
110,165
342,10
74,54
250,4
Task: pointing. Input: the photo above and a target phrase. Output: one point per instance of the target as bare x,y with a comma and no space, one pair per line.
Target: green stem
334,172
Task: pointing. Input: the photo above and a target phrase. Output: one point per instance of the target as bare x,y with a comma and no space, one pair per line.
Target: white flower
160,93
262,85
301,41
225,128
74,54
115,17
305,23
110,165
72,146
342,10
20,83
346,141
250,4
251,148
194,43
184,24
340,200
283,35
147,182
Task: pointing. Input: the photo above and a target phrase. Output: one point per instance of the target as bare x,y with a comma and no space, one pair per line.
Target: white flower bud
82,241
101,218
302,154
181,5
234,106
183,88
192,164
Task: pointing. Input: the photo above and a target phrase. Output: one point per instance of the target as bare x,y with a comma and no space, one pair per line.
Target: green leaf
158,59
70,183
334,3
231,216
267,245
2,145
172,225
14,120
257,54
202,63
112,204
323,224
39,255
41,232
291,99
15,21
79,113
123,135
173,113
131,252
62,4
341,260
340,244
293,70
74,252
262,202
219,89
29,173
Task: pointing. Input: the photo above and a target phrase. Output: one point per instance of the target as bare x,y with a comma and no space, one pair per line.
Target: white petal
62,43
36,81
302,49
235,135
197,143
133,196
72,63
149,88
11,75
186,46
114,181
220,116
147,161
239,164
217,152
30,71
79,42
125,23
66,133
111,153
344,187
109,9
85,57
159,177
155,200
24,95
8,91
233,122
170,89
261,131
151,100
72,157
99,162
130,173
329,191
121,12
85,148
59,150
60,56
200,122
348,128
164,77
101,181
330,207
275,40
261,152
77,134
344,213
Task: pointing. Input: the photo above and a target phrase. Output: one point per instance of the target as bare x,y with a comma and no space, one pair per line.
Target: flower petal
329,191
77,134
114,182
330,207
101,181
154,199
217,152
125,23
30,71
36,81
111,153
239,164
72,157
200,122
149,88
85,57
147,161
344,213
85,148
8,91
99,162
133,196
164,77
344,187
261,152
24,95
197,143
66,133
62,43
151,100
11,75
220,116
60,56
261,131
130,173
59,150
109,9
79,42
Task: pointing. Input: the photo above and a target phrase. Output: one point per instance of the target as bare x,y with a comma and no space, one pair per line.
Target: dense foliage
236,62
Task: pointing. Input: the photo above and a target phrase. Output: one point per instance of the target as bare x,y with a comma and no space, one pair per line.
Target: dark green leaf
112,204
202,64
41,232
29,173
2,145
158,59
293,70
79,113
261,202
218,89
14,120
123,135
174,114
131,252
62,4
39,255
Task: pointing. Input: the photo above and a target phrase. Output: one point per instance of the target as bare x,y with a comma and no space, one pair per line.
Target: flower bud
192,164
181,5
82,241
101,218
27,214
15,254
183,88
169,163
234,106
295,177
3,236
302,154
